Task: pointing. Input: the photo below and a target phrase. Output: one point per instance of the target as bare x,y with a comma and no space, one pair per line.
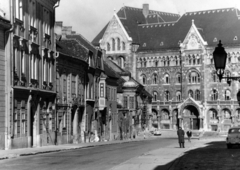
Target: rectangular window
73,86
33,14
131,102
125,102
22,62
50,122
58,83
50,72
44,69
19,9
101,90
64,85
46,25
35,68
23,126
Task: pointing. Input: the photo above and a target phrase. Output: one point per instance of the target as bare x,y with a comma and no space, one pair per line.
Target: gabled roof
82,41
71,47
131,17
109,71
219,24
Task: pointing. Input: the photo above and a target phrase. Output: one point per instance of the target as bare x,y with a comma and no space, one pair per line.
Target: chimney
145,10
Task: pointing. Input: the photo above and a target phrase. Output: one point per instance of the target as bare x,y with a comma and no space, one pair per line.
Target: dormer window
108,47
123,46
118,44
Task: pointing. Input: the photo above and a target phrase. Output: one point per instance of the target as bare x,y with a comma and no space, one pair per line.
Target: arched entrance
165,119
191,118
213,118
227,119
154,118
175,120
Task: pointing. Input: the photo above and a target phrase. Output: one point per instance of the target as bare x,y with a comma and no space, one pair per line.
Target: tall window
227,95
22,62
101,90
50,71
156,63
34,66
215,77
190,93
46,24
118,44
19,9
58,83
178,95
167,95
33,13
144,81
65,85
113,44
50,122
197,95
125,102
214,95
179,78
145,62
123,46
168,61
155,94
131,102
154,78
73,87
108,47
166,79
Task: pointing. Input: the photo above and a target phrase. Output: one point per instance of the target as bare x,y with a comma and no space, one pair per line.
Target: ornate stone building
171,55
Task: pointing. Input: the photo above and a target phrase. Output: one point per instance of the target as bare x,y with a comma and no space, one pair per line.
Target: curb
68,149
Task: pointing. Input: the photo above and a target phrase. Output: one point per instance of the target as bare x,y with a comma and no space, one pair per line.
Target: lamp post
220,58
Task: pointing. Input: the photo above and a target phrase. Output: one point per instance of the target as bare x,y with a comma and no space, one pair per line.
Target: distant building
171,55
81,122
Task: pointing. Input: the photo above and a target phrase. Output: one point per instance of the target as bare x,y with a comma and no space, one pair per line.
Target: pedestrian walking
181,134
189,135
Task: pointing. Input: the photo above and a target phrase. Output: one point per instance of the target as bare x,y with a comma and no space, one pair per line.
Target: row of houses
56,87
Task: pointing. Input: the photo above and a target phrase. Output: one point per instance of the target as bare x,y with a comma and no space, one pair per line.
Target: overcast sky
88,17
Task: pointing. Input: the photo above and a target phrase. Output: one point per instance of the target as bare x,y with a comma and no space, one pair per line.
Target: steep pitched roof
83,41
131,17
109,71
222,24
71,47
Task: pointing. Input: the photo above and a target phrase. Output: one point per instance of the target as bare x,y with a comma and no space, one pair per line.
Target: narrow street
99,157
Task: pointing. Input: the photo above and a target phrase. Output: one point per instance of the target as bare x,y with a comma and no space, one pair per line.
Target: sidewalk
163,158
7,154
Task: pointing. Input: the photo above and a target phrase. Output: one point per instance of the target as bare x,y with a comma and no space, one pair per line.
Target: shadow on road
214,156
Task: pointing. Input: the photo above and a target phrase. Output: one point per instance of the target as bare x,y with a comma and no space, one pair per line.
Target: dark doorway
191,118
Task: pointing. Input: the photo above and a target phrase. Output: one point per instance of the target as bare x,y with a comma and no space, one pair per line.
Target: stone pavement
165,158
7,154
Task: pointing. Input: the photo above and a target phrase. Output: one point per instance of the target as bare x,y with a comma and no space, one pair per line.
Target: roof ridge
152,10
211,10
84,39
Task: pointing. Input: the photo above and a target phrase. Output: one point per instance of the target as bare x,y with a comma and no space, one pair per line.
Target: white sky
88,17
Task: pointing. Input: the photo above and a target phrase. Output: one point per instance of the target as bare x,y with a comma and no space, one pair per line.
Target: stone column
39,143
75,127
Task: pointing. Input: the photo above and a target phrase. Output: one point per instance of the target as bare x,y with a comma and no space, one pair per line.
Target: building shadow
214,156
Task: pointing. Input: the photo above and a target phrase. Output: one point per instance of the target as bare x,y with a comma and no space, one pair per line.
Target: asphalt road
95,158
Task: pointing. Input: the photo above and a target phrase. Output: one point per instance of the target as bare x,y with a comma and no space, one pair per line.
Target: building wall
2,90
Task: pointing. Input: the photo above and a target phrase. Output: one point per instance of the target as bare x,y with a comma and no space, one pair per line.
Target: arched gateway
189,115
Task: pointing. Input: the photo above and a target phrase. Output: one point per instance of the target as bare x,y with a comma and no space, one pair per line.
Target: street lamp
220,58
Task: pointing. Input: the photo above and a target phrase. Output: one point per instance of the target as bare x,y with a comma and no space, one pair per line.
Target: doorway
33,127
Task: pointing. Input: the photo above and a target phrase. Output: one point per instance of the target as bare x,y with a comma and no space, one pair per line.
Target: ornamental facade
171,55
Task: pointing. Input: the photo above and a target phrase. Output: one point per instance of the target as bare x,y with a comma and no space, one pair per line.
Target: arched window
118,44
166,79
154,78
164,115
197,95
194,77
145,62
155,96
198,61
168,61
194,60
227,94
213,115
178,95
179,78
166,95
156,63
214,95
227,114
144,80
123,46
113,44
190,60
108,47
176,61
190,93
229,59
